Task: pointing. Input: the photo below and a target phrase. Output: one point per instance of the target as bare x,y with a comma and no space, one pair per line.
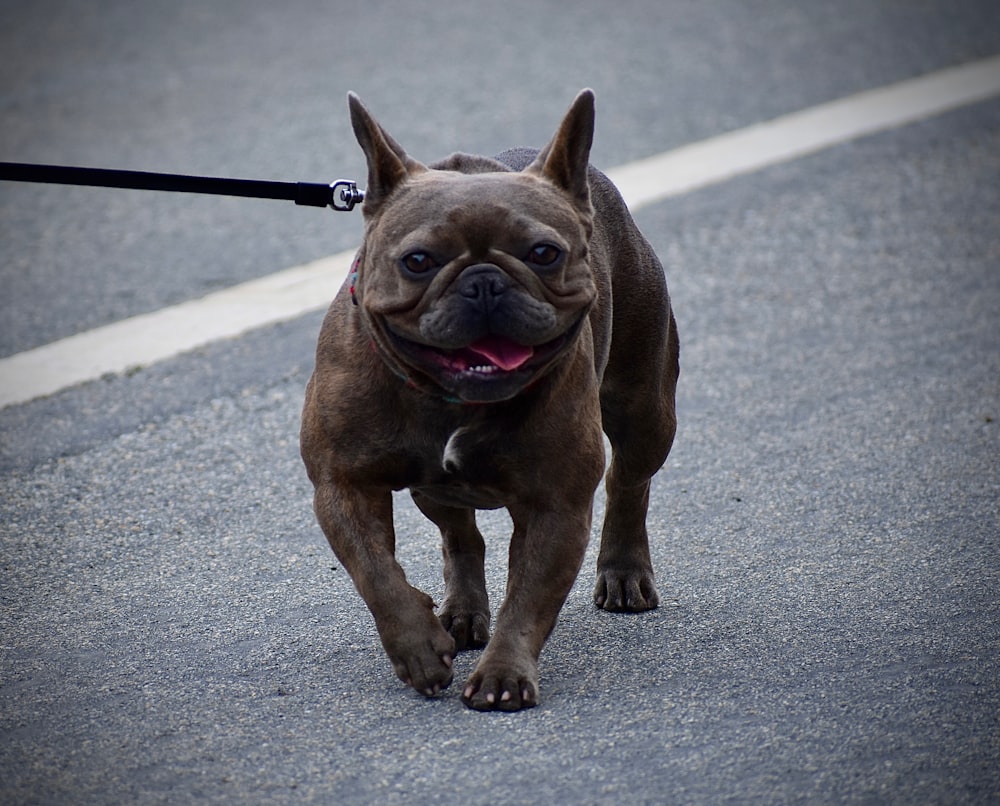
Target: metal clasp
347,197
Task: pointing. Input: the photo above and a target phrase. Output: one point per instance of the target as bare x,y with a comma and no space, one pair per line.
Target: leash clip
348,196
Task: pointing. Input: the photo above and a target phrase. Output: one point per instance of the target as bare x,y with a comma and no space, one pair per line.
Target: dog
501,313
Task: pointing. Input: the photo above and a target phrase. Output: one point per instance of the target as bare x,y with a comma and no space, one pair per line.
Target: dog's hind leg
465,612
637,407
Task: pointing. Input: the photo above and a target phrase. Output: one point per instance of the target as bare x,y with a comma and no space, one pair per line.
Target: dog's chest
465,473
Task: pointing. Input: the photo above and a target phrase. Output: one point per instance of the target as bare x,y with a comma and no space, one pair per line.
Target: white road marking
148,338
151,337
800,133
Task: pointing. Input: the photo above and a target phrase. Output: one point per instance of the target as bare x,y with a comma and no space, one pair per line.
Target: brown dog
502,312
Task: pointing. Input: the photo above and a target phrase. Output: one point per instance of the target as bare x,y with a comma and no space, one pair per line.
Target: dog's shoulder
605,196
470,164
517,159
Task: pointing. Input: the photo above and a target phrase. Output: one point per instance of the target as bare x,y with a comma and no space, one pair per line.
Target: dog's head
474,280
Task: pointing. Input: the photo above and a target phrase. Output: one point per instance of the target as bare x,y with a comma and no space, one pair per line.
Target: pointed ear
388,163
564,161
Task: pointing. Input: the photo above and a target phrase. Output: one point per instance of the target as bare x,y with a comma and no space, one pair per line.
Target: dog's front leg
546,551
358,525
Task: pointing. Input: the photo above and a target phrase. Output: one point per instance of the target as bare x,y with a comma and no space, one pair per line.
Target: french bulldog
501,313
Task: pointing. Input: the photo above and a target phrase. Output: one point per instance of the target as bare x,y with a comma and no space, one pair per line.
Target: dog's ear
564,161
388,163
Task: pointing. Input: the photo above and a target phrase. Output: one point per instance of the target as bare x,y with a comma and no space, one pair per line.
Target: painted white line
145,339
800,133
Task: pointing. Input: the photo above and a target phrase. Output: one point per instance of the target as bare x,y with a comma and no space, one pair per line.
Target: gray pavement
173,627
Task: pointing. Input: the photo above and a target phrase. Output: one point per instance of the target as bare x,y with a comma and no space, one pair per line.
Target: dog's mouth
489,369
485,356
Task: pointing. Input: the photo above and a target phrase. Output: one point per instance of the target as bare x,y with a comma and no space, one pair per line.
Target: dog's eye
544,254
418,262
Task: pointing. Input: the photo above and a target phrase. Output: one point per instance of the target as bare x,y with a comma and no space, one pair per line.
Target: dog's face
476,284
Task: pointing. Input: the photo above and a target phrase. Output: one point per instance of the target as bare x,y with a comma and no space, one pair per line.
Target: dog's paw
427,670
471,630
620,591
500,689
421,654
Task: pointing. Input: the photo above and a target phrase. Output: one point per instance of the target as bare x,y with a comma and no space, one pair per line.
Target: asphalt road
173,627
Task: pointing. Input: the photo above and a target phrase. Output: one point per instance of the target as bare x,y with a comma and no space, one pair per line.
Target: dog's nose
483,285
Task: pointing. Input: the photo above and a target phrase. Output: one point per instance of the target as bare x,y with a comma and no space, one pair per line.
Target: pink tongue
501,352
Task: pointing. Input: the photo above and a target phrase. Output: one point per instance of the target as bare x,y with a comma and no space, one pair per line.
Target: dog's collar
354,278
410,383
416,387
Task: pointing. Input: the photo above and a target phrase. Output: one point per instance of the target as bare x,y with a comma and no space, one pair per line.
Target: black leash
341,195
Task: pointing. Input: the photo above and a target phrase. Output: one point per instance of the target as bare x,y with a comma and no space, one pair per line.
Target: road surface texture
826,533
